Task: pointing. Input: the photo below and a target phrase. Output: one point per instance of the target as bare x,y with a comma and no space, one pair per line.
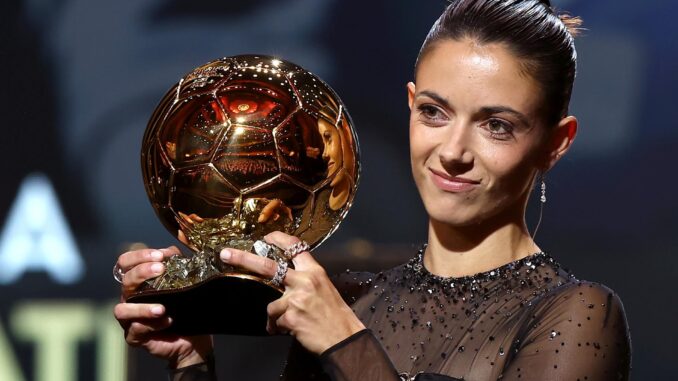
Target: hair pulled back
530,29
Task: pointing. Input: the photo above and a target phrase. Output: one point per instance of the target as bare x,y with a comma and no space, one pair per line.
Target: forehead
324,125
472,75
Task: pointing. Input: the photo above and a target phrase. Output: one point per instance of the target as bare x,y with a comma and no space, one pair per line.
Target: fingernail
157,310
156,255
225,254
157,268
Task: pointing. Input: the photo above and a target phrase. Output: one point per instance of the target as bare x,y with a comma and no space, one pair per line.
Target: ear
410,94
561,139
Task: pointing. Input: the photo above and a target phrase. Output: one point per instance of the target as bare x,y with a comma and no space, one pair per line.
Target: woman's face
476,138
332,152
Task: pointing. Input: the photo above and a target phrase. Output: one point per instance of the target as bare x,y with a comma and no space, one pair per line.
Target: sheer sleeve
579,333
359,357
198,372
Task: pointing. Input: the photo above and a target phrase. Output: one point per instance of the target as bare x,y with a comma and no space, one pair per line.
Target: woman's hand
143,323
273,210
311,308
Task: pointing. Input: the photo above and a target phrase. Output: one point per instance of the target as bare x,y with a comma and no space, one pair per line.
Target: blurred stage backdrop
81,78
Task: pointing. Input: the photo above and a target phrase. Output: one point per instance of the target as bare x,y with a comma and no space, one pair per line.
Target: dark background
80,79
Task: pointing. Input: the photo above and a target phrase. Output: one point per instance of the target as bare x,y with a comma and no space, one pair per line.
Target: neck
340,191
455,251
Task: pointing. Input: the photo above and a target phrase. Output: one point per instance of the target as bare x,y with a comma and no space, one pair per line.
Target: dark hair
532,31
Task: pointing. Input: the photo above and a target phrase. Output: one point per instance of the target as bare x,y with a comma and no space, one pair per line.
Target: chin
451,212
458,219
481,211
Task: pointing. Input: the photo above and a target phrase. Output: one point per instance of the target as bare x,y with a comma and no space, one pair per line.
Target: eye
430,113
499,129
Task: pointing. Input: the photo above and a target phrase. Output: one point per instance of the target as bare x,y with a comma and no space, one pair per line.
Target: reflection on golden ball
246,145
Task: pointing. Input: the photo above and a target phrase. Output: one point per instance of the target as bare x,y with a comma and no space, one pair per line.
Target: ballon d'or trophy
240,147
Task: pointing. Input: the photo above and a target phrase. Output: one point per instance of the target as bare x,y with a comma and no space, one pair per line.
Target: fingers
263,266
303,260
307,272
309,279
136,311
196,218
191,218
139,332
139,274
141,265
288,212
141,320
182,237
273,210
133,258
283,324
281,239
275,309
268,210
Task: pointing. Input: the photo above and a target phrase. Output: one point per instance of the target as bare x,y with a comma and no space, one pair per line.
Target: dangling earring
543,191
542,200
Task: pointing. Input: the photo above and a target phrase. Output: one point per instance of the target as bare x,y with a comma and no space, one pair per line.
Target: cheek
421,143
413,131
510,170
335,152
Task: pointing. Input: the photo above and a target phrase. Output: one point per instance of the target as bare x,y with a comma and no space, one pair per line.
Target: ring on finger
118,274
296,249
280,274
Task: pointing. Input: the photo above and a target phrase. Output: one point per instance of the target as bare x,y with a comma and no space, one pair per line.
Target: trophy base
225,304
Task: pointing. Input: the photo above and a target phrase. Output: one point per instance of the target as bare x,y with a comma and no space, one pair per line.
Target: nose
326,154
455,153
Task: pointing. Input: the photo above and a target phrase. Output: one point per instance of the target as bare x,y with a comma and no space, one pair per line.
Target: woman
340,162
481,301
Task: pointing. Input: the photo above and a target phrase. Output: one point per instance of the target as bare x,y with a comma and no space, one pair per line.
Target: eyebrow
489,110
486,110
435,97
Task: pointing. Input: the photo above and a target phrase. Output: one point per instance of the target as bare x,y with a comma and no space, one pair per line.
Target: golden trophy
240,147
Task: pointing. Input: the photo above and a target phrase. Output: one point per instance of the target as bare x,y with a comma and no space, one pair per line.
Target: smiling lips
453,184
330,167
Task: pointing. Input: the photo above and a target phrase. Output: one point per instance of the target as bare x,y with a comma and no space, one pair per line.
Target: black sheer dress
527,320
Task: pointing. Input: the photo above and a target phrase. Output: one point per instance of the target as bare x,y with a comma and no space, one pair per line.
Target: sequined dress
530,319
